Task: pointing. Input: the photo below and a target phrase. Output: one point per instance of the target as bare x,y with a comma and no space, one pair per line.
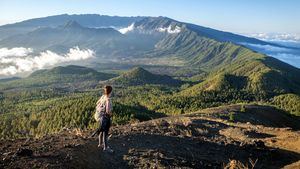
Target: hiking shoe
100,146
108,149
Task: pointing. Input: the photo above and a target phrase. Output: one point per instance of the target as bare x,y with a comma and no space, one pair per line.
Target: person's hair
107,90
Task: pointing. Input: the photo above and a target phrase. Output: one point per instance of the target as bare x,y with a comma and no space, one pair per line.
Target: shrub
231,116
243,109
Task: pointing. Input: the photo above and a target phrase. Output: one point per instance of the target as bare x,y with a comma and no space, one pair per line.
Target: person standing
103,115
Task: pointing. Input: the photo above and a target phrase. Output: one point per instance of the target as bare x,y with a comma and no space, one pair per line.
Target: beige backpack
100,108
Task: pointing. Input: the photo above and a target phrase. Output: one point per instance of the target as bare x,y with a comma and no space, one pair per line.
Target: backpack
100,108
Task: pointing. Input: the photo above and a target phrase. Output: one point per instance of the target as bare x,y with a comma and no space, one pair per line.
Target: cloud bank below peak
290,56
283,37
127,29
19,60
171,30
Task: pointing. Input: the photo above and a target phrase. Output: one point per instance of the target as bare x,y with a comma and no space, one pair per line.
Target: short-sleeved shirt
104,104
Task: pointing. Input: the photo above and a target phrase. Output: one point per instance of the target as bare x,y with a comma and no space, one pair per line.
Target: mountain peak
138,71
72,24
140,76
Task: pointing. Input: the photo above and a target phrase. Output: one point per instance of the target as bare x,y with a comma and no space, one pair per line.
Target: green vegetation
40,117
65,97
243,109
76,76
50,112
231,116
288,102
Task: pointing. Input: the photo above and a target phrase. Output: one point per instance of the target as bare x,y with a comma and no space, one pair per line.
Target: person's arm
108,107
99,100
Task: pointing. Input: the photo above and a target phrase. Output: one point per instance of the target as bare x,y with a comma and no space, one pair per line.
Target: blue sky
240,16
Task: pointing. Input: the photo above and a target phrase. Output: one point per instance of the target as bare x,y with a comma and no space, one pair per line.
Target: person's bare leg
105,133
100,139
96,132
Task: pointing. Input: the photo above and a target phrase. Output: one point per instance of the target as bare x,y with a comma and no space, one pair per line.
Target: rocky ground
223,137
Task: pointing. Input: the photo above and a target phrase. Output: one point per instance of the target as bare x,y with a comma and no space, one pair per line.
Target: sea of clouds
288,52
287,37
285,54
20,59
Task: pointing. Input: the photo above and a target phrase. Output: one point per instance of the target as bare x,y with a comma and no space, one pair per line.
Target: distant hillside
72,70
200,51
9,79
142,37
226,36
152,23
97,21
195,45
107,42
260,75
140,76
63,37
87,20
160,41
59,76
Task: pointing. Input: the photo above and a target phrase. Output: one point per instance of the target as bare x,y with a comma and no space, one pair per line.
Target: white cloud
10,70
169,29
127,29
17,60
276,36
15,52
141,29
